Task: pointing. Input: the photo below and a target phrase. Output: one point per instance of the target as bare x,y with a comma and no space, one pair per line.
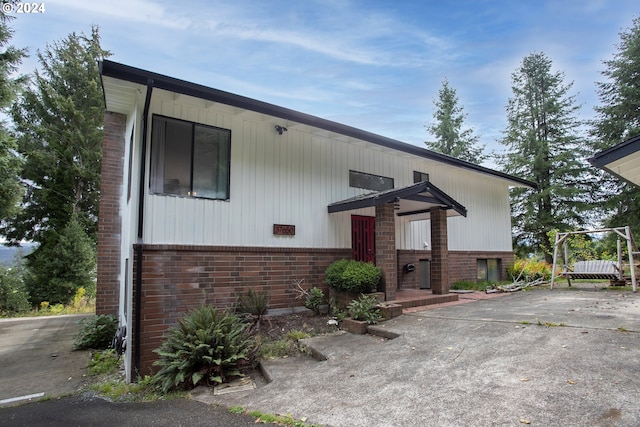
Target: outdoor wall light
281,129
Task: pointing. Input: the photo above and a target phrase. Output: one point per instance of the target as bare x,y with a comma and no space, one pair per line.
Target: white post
620,272
555,256
632,269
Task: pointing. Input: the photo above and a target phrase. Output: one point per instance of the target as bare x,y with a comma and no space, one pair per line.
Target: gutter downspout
140,240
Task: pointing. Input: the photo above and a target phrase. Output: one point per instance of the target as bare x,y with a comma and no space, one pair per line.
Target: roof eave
140,76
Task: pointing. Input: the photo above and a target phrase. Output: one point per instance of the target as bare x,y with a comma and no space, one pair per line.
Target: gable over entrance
419,201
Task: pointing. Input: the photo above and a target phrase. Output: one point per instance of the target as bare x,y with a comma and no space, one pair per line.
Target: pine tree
544,147
447,129
59,123
10,164
59,120
618,119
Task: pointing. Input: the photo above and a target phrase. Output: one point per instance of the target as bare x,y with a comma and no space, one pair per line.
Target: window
420,177
488,270
189,159
369,181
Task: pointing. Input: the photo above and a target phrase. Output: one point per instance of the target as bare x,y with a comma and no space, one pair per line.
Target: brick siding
385,232
178,278
463,265
109,219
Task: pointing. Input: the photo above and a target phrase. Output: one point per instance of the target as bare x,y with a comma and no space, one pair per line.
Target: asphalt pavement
541,357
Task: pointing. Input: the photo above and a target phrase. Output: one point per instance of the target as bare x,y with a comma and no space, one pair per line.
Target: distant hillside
8,253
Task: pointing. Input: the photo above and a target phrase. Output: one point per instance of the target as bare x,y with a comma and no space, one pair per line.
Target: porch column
439,252
386,255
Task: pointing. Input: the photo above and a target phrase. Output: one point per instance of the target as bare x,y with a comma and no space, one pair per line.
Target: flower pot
354,326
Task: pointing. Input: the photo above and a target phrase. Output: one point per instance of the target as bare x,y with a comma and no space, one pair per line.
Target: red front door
363,238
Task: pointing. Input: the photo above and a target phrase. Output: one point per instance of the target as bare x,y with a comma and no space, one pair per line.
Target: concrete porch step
410,299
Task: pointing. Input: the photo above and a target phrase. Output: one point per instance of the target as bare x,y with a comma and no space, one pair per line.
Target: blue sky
375,65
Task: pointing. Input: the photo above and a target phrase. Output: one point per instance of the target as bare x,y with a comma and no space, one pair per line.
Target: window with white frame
189,159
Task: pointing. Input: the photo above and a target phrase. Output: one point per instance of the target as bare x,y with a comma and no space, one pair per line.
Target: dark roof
621,160
617,152
143,77
412,200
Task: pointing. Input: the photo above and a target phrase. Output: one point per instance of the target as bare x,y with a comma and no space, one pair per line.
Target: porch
410,298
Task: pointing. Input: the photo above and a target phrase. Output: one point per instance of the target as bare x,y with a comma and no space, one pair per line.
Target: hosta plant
207,347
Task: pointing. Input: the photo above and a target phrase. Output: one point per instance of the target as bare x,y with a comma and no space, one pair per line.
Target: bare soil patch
278,327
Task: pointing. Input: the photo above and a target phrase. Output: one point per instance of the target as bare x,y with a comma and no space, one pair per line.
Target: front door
363,238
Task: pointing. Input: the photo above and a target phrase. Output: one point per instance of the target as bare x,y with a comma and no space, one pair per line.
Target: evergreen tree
64,262
544,147
447,129
59,120
59,123
10,164
618,119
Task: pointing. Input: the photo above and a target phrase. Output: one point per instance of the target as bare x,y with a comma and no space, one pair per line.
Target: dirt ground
277,327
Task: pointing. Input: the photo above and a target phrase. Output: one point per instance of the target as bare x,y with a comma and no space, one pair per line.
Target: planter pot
389,311
354,326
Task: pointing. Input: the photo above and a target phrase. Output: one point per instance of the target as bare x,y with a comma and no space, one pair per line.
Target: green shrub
14,297
253,302
314,300
96,332
207,346
365,309
353,276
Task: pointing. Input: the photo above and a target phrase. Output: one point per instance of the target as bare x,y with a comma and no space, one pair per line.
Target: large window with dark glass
420,177
488,270
189,159
369,181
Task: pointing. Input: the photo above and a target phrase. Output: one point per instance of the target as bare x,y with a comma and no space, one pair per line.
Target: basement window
488,270
189,159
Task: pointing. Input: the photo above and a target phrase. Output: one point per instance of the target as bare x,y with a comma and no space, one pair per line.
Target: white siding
291,178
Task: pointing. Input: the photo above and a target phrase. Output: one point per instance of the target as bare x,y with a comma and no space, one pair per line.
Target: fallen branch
515,286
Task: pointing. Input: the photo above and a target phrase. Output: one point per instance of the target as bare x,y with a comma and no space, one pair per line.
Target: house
621,160
206,194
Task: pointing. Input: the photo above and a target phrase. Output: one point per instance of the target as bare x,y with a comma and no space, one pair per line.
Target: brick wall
462,265
385,238
109,220
440,252
178,278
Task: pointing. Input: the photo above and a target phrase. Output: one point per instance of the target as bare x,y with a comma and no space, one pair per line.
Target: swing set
597,269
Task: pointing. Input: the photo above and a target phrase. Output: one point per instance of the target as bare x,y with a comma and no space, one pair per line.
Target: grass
549,324
107,381
103,362
475,286
288,346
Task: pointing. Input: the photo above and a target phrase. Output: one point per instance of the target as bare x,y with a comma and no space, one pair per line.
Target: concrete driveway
37,358
545,358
